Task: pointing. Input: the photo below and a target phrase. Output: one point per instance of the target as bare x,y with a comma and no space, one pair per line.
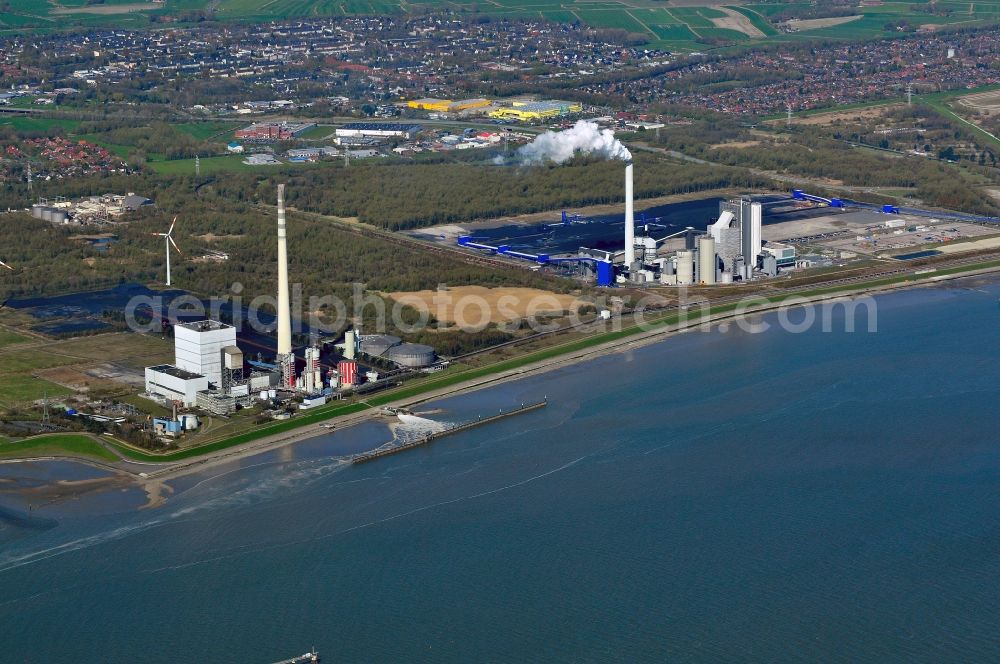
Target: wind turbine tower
168,240
286,359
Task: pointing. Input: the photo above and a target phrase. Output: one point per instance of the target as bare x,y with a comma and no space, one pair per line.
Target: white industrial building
737,236
175,383
378,130
198,347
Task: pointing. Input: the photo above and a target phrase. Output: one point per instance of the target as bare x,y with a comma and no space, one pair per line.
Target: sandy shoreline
153,479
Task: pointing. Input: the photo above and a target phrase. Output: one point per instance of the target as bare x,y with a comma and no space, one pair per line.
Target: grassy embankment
78,445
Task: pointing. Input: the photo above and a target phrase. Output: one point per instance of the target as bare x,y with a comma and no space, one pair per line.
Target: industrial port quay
386,450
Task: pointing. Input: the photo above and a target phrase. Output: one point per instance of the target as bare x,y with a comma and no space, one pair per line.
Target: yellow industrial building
536,110
447,105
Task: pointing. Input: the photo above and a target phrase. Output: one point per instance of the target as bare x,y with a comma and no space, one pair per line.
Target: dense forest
403,196
819,153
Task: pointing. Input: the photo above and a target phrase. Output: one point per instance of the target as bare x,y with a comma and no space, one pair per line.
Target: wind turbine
2,264
169,240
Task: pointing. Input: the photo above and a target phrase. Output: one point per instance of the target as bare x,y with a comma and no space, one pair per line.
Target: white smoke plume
559,146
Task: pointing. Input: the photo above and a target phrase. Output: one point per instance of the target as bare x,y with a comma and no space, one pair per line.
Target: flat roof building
537,110
784,254
198,347
175,384
379,129
269,132
447,105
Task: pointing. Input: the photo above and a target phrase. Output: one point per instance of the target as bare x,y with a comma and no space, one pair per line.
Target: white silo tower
685,268
707,263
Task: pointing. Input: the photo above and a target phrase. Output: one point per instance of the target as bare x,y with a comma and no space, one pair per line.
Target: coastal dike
147,471
458,428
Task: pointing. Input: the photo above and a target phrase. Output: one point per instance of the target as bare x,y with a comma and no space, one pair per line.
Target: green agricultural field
30,359
19,388
611,18
757,20
674,28
8,338
30,124
771,9
56,445
673,33
558,15
203,131
723,33
695,17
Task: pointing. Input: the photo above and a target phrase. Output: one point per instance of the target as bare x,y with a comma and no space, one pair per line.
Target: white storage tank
706,259
685,268
378,344
726,278
411,355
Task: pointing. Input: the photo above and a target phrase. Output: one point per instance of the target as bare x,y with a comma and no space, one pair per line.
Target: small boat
311,657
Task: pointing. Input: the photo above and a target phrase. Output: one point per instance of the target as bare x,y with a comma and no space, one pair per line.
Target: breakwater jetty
458,428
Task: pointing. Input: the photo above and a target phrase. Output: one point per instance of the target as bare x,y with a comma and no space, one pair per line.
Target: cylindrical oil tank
350,345
411,355
685,268
706,259
726,278
378,344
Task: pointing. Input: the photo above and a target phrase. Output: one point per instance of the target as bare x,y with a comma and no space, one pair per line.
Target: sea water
717,496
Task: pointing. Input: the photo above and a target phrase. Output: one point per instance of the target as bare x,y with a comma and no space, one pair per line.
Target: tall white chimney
284,308
629,218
